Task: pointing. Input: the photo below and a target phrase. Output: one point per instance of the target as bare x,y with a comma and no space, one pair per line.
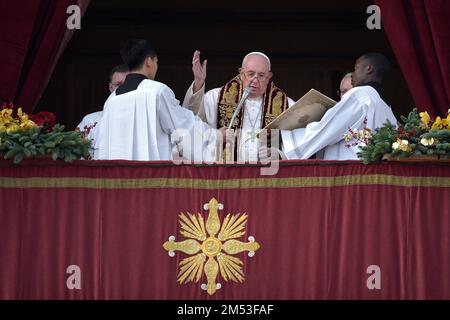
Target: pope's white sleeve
194,101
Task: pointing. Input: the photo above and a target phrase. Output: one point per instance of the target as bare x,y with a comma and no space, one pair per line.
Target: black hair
123,68
380,63
135,52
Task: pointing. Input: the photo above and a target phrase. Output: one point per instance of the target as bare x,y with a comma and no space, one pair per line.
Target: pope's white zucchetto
257,53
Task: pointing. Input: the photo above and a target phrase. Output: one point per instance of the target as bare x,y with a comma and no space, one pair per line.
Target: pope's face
117,79
346,84
255,74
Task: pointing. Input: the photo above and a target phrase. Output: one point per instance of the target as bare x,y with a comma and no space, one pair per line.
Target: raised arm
193,100
199,71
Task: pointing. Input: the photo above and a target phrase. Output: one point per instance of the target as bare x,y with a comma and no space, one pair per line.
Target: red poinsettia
45,119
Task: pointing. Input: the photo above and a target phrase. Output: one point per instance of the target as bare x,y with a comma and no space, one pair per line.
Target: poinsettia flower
44,119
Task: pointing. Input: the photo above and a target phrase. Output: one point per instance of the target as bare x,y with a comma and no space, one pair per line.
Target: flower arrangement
86,132
356,137
23,136
416,135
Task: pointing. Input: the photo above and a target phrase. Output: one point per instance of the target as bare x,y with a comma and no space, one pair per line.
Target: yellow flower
402,145
23,117
12,127
439,123
28,124
405,146
427,142
7,122
6,113
10,124
347,137
448,119
425,118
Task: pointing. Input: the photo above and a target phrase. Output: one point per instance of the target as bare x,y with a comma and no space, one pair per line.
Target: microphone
238,109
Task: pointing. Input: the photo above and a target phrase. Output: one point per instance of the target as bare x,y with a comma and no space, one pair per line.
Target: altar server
142,119
360,107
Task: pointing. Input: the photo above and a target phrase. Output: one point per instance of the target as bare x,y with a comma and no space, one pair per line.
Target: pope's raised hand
199,71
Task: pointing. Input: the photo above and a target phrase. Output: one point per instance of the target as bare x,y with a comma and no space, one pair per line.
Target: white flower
427,142
402,145
395,145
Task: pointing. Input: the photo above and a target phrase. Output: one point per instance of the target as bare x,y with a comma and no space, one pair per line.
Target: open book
311,107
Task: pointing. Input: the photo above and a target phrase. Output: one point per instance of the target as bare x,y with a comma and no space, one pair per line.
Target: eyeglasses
252,74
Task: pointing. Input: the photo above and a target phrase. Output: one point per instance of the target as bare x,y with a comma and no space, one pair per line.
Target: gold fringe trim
210,184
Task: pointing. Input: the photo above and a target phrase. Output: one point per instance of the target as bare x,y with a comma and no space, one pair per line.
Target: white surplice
206,108
91,121
149,124
357,104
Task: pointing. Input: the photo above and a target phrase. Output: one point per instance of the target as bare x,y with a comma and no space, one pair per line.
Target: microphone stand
238,109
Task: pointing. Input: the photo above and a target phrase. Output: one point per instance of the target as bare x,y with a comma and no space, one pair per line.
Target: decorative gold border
181,183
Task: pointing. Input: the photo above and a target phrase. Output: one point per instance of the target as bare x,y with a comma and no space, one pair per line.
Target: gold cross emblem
211,247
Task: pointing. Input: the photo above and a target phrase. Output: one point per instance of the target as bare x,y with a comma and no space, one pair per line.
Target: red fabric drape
419,33
34,34
320,226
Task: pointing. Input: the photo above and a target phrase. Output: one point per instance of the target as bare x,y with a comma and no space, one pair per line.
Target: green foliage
35,142
411,130
379,144
443,134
